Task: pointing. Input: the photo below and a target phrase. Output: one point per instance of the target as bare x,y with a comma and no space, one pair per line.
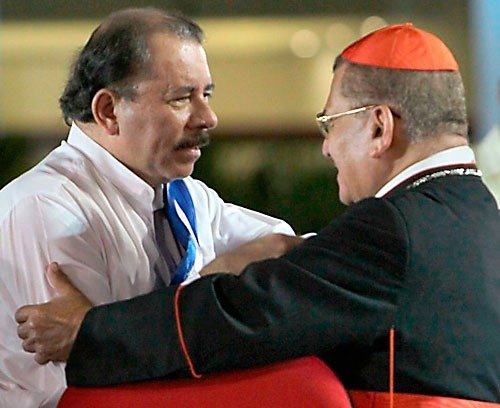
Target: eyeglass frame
325,122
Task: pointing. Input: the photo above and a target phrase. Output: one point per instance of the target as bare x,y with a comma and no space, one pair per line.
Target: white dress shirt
84,209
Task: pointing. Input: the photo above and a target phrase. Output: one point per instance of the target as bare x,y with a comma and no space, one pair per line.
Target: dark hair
116,54
429,102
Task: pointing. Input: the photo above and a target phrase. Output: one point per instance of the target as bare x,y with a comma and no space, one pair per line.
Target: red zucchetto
401,46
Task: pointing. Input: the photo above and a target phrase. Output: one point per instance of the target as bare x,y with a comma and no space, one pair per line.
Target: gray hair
429,102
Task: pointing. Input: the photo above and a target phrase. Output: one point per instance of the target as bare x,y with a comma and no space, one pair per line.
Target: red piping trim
184,348
391,367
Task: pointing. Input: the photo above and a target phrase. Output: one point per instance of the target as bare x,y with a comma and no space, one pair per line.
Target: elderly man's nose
325,148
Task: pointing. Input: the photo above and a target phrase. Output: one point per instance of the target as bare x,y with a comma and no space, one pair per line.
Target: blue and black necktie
177,192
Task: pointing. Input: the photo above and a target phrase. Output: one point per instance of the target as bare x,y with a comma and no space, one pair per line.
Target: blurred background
271,62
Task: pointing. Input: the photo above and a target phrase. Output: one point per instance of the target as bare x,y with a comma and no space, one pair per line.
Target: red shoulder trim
181,335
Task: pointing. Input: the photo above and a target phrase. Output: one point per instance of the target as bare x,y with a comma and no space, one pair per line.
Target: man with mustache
137,101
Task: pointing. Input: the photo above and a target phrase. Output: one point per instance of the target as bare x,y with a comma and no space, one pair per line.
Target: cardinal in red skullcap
401,46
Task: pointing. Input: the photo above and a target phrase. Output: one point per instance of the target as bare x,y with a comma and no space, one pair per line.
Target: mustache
199,139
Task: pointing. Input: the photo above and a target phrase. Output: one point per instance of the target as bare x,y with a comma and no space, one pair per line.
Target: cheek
338,151
165,133
162,146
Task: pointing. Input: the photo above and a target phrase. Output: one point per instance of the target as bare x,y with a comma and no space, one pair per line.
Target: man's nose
204,116
324,148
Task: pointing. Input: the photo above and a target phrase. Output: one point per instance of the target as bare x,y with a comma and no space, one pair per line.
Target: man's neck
417,151
451,155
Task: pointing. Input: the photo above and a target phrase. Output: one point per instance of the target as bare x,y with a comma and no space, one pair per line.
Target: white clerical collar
129,184
449,157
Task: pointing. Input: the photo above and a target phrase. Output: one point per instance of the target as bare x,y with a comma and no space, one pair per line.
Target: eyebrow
189,89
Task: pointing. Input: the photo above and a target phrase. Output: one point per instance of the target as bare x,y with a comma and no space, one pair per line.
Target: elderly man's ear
382,131
103,108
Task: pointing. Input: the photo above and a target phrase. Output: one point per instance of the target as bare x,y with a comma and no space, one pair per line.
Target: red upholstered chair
305,382
368,399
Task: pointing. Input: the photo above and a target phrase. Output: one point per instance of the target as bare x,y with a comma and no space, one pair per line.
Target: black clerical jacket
423,259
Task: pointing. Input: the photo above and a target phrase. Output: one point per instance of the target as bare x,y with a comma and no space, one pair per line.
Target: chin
345,198
345,201
182,173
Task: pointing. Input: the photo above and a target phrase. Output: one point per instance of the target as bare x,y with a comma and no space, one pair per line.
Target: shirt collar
449,157
127,182
158,197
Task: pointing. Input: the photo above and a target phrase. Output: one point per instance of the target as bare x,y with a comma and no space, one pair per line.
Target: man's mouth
198,140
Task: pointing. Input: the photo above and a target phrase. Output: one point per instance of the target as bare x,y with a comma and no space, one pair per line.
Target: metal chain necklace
445,173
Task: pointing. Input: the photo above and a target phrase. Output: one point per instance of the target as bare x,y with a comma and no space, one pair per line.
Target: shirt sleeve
37,230
340,287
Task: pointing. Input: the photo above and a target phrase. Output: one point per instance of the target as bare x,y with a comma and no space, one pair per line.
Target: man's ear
103,109
383,131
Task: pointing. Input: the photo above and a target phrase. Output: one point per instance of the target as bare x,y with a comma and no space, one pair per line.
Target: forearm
234,261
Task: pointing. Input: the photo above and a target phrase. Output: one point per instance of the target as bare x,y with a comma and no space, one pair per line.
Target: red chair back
306,382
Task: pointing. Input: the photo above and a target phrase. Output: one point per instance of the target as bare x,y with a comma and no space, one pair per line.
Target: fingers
23,331
59,281
284,243
23,313
29,345
41,357
49,329
27,329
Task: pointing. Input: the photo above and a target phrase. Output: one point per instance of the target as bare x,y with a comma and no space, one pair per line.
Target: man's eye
179,101
207,95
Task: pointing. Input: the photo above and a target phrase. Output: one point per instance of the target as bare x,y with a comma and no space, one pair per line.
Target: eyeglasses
325,122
